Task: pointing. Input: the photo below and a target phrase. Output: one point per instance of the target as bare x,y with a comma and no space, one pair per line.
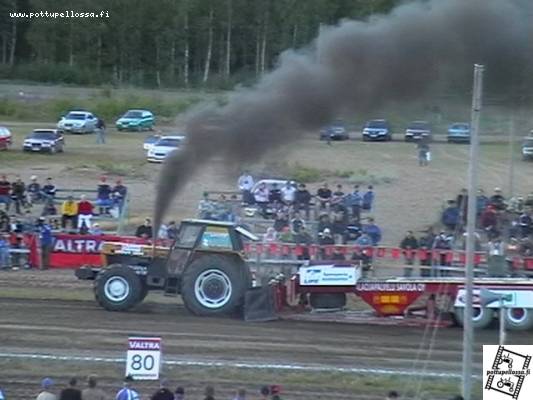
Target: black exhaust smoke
356,66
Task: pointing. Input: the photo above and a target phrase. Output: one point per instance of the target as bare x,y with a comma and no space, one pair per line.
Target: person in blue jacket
372,230
46,240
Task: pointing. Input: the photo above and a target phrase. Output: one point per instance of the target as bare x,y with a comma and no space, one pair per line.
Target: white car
163,147
78,122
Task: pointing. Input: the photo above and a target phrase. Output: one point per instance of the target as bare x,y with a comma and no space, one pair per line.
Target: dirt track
80,327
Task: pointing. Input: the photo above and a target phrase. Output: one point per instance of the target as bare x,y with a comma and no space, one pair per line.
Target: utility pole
468,329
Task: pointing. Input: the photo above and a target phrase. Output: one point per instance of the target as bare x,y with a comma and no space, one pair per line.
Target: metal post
511,155
502,321
468,329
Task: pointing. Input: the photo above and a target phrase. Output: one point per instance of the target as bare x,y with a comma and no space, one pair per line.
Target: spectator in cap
103,196
209,393
46,393
91,392
127,392
163,393
71,392
179,393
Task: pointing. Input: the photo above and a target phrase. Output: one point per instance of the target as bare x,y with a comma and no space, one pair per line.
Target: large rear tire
214,285
481,319
327,300
117,288
519,319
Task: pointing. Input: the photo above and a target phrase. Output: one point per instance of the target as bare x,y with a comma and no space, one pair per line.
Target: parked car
136,120
527,148
459,132
150,141
336,131
78,122
377,129
46,140
5,138
163,147
417,130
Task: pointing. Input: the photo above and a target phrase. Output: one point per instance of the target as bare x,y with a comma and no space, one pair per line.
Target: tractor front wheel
118,288
214,285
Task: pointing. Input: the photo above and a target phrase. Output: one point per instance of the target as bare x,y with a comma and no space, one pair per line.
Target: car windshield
133,114
169,142
460,126
376,124
42,135
152,139
3,131
418,125
75,116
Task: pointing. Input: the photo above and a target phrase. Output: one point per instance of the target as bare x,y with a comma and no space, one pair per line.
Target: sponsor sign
329,275
518,298
143,359
131,249
506,372
390,287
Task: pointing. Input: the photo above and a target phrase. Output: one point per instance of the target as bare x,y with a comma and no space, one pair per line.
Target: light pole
468,328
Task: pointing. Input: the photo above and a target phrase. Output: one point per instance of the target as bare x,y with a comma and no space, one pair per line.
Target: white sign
131,249
519,298
329,275
143,360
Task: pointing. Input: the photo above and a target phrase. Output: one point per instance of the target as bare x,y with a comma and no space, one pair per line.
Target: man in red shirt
85,213
5,191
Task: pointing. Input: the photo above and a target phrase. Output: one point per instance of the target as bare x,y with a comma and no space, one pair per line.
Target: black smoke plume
356,66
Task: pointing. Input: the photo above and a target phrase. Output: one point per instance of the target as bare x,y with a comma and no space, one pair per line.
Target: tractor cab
205,265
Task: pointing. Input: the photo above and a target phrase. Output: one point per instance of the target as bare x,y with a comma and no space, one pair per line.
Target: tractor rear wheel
327,300
117,288
481,316
214,285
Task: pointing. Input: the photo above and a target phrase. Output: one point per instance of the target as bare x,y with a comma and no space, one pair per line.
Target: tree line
163,43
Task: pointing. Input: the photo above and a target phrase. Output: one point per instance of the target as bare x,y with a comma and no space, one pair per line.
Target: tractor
205,265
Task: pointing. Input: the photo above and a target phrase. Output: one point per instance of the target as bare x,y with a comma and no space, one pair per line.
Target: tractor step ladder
172,287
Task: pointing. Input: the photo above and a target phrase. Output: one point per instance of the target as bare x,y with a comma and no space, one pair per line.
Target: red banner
74,251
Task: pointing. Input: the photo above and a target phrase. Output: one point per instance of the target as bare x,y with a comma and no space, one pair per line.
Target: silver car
78,122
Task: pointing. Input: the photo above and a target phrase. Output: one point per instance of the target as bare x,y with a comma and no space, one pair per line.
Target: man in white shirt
287,193
246,183
261,198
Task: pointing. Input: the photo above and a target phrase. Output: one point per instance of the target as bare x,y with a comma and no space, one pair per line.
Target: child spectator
368,199
297,223
96,230
69,213
286,236
103,196
85,213
5,262
324,222
270,236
